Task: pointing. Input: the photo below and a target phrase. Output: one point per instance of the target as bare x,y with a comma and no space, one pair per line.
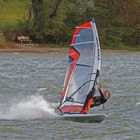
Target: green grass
2,39
13,12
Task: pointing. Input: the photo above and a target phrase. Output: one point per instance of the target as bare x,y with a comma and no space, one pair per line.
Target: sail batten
87,42
83,63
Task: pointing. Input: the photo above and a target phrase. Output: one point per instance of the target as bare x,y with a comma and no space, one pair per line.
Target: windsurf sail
82,68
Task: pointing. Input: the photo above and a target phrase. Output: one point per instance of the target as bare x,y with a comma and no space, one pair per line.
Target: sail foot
71,109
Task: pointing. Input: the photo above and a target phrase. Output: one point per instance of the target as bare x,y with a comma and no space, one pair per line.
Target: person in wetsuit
92,101
98,100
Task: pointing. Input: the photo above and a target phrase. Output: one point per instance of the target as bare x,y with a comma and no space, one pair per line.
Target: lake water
30,84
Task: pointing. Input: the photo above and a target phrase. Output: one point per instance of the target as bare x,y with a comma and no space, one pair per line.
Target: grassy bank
116,30
124,47
13,13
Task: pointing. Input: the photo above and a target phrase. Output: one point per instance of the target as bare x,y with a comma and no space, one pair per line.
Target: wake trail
32,108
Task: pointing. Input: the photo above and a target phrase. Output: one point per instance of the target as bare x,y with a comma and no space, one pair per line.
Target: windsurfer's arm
101,93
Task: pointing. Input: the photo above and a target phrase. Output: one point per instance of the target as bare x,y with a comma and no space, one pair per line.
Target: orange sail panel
74,55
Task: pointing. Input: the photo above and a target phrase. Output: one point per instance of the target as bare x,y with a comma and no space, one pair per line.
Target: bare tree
54,12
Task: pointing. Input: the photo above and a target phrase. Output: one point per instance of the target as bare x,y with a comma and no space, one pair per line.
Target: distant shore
45,48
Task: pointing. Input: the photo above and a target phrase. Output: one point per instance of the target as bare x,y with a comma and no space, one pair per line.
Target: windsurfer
98,100
92,101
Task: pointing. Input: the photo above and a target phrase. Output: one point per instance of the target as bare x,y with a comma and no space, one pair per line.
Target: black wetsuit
98,100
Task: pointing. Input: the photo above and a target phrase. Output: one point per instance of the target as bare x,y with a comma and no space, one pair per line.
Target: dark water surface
29,89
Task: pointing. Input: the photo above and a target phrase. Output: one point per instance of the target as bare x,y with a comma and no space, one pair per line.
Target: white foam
138,103
33,108
41,89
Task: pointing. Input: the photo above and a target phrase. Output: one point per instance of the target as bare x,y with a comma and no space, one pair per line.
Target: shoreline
35,48
32,48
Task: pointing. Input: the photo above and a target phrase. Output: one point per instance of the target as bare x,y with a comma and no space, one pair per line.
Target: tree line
53,21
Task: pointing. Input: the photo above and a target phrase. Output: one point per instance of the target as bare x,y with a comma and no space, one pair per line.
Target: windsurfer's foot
83,112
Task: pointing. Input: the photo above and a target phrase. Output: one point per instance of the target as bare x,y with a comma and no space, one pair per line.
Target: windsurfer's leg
87,104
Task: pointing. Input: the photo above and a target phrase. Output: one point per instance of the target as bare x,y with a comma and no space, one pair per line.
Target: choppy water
29,89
